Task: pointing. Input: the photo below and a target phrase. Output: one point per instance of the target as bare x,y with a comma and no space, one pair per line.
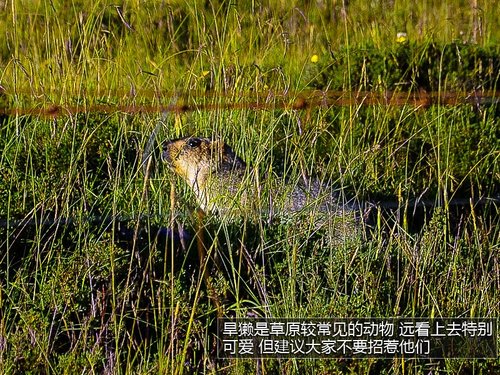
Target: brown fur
222,183
209,167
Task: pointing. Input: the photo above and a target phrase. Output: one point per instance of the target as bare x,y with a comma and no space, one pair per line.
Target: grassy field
100,267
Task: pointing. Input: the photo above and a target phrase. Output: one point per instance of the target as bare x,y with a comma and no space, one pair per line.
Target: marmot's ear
217,147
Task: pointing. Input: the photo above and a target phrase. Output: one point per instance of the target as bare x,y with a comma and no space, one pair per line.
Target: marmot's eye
193,142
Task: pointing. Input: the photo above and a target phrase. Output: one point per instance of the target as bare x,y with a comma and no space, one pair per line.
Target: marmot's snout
165,155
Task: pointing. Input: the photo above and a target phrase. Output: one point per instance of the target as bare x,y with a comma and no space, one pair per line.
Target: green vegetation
93,276
59,53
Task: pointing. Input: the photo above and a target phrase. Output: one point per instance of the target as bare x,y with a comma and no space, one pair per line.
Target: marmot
222,183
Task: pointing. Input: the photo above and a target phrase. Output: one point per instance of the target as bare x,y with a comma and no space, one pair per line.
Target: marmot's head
196,159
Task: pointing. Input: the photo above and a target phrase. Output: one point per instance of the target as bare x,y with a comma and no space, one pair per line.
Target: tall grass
96,275
58,52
